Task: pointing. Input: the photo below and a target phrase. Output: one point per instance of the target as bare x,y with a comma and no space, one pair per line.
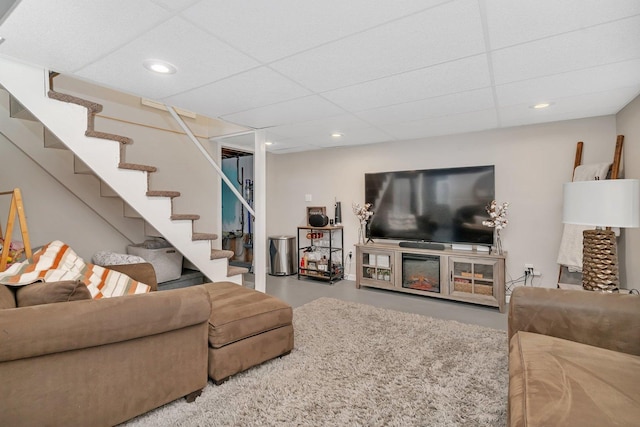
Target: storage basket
167,262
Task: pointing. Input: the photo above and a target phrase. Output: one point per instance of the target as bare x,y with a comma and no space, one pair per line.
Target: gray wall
53,213
628,124
532,163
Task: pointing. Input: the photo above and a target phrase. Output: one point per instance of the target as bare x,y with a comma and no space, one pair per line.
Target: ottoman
246,328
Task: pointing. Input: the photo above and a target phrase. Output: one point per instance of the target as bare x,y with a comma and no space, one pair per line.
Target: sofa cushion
56,261
555,382
7,298
47,293
238,313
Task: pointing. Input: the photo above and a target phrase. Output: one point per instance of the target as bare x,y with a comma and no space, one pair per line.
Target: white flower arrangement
362,212
498,214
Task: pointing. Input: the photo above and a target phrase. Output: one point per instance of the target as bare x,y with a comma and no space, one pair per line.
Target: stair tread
137,167
92,106
162,193
204,236
110,136
233,270
192,217
221,253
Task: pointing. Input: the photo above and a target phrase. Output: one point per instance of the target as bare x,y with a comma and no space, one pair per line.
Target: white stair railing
206,155
260,249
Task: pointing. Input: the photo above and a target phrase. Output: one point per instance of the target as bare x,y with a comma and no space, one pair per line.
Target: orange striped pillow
56,262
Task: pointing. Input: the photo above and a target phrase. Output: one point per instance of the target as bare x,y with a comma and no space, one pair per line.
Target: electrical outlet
537,273
528,269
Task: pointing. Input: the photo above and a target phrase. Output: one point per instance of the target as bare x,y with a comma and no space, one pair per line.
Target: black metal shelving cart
321,253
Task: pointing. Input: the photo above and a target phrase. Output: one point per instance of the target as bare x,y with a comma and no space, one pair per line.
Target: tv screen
433,205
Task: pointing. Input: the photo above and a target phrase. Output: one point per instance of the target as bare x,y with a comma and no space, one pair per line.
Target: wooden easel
16,207
614,171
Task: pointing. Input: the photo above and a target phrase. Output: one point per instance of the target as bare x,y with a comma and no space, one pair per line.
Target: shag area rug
358,365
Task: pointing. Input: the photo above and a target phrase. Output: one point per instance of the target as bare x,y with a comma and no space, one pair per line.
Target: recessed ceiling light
337,135
158,66
541,105
268,143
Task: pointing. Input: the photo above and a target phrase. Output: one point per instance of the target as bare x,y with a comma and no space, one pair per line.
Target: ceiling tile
467,122
616,42
343,123
573,83
199,57
575,107
455,76
514,22
288,145
296,149
66,37
175,5
269,30
369,135
441,34
365,135
244,91
297,110
464,102
403,69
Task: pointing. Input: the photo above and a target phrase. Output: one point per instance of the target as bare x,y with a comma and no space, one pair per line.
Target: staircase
72,120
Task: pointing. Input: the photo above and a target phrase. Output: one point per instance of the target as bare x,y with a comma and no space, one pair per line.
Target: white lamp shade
602,203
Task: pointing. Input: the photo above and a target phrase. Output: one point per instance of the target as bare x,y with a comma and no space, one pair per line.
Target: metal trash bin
281,252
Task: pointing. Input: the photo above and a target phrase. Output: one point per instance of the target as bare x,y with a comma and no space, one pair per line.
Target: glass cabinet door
377,266
474,277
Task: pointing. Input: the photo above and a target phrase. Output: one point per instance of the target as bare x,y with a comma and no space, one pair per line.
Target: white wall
52,212
628,124
532,163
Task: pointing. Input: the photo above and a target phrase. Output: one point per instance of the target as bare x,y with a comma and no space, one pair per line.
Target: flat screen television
432,205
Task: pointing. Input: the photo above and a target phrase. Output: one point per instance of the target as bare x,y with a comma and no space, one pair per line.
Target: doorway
237,222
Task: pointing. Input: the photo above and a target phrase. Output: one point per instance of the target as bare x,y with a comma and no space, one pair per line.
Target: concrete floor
298,292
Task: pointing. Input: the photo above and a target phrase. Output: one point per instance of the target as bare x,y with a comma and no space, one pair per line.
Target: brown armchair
574,358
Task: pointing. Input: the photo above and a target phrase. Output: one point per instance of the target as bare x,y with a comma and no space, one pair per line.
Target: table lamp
601,203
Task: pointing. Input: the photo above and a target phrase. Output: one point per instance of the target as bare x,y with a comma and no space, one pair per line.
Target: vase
362,233
497,241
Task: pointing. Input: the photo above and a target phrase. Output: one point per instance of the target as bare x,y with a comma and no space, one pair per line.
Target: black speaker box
422,245
318,220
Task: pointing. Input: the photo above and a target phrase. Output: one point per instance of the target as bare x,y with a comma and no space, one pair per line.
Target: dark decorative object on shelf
367,232
319,220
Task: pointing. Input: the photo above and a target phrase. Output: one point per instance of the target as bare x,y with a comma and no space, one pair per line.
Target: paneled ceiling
373,71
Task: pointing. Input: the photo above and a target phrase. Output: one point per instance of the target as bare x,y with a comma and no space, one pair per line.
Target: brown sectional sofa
102,362
574,358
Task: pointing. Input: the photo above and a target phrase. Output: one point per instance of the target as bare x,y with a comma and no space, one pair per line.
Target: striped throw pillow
56,262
